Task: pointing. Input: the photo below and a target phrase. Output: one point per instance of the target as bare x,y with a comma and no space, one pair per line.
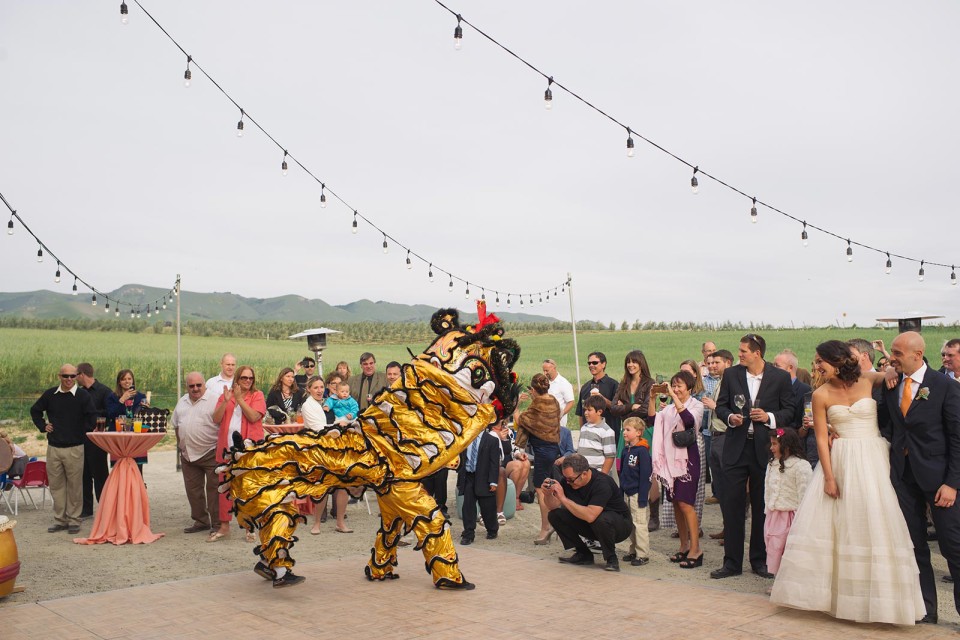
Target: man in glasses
587,503
309,367
755,397
65,414
197,437
600,385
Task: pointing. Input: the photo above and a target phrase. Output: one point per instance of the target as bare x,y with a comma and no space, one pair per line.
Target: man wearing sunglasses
308,366
197,437
603,385
65,414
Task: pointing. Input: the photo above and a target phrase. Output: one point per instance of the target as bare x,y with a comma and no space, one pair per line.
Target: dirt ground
54,567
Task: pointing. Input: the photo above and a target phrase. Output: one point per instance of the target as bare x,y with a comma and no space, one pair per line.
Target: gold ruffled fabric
419,425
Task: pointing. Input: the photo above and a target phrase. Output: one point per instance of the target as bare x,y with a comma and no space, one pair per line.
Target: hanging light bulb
187,75
521,300
40,254
409,264
548,95
354,229
450,285
74,285
240,125
694,183
430,272
630,151
483,293
548,296
753,212
106,309
889,266
498,298
117,312
171,298
458,35
10,226
386,247
176,289
164,304
541,298
803,234
466,294
132,314
323,197
849,252
920,273
124,13
93,300
508,299
56,277
531,299
953,275
156,310
138,313
283,165
148,311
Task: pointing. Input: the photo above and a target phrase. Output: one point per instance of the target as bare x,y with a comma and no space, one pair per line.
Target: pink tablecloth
123,514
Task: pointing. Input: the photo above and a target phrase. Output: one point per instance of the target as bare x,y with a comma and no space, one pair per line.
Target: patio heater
316,342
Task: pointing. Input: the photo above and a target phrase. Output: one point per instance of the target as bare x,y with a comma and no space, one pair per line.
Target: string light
483,294
323,196
132,315
10,226
508,299
630,150
430,273
386,248
106,308
156,310
354,228
541,298
548,95
458,35
56,277
450,285
753,212
694,183
466,294
93,300
240,125
283,165
409,264
148,311
138,313
849,252
498,297
40,254
187,75
521,301
803,234
164,303
117,312
953,275
889,266
124,13
74,285
171,298
920,273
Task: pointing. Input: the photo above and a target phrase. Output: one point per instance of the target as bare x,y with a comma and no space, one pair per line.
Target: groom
768,403
921,418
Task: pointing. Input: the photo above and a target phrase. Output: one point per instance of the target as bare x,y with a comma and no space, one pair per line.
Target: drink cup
118,424
137,426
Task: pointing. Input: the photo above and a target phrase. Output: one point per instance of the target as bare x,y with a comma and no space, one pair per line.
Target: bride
849,553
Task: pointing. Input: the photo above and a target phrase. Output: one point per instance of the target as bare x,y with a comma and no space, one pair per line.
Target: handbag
684,439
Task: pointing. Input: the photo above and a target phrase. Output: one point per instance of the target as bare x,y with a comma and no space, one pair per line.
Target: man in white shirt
560,388
197,436
228,365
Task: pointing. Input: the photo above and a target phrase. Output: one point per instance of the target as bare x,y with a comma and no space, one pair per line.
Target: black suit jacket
800,390
488,466
930,432
775,396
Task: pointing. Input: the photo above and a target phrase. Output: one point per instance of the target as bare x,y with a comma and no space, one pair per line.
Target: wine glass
740,401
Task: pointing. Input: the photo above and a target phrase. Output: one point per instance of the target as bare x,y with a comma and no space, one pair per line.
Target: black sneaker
57,527
629,557
577,558
491,535
612,565
73,529
265,572
288,580
639,562
466,540
594,546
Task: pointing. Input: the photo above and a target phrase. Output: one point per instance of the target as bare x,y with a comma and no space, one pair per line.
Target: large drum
9,560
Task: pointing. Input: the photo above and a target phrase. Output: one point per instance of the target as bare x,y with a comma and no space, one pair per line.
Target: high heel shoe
544,540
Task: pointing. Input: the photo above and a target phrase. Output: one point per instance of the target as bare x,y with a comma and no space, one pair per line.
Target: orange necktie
907,395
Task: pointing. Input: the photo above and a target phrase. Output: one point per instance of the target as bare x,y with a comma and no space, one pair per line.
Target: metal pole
573,323
176,288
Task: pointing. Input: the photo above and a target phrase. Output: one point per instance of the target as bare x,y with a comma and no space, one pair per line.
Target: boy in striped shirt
598,443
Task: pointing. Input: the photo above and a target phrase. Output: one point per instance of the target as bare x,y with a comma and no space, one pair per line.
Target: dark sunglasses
246,377
194,386
68,375
593,363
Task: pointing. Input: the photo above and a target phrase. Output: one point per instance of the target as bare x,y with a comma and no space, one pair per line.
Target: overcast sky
843,114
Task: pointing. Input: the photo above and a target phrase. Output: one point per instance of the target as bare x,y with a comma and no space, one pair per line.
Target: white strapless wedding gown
852,557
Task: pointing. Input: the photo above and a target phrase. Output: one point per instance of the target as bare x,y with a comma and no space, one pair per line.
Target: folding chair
34,477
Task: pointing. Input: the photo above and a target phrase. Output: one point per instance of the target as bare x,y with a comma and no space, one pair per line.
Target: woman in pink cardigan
239,410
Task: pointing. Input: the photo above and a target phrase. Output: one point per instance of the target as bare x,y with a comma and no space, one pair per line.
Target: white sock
281,571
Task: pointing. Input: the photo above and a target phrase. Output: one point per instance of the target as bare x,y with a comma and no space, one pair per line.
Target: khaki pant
200,481
640,538
65,477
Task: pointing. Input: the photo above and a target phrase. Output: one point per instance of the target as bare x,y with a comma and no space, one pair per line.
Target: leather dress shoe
927,619
761,570
577,558
57,527
724,572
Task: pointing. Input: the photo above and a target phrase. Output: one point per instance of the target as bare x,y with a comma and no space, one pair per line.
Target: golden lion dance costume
443,399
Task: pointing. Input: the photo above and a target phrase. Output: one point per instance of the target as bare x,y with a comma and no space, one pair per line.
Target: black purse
684,439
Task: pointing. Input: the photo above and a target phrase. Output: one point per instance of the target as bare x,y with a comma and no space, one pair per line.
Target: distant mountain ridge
226,306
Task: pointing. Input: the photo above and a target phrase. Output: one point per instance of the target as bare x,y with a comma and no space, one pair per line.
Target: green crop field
29,358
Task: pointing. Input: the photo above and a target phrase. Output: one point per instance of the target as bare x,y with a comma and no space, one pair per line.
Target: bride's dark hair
837,354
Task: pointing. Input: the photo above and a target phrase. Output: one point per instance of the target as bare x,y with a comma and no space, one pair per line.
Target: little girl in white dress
788,475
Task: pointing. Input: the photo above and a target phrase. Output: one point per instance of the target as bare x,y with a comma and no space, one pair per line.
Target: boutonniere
924,393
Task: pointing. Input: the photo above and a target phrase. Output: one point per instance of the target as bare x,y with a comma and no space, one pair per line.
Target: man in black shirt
70,414
587,503
600,384
94,458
